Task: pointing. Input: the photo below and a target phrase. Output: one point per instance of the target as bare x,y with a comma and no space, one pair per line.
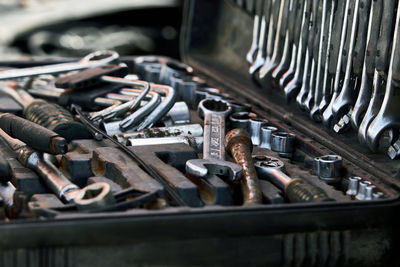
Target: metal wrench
381,68
295,35
213,162
270,65
388,116
327,116
285,62
256,36
259,60
365,92
292,87
328,8
309,64
347,96
92,60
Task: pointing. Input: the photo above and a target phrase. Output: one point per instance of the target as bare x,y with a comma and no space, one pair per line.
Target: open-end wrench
328,11
91,196
292,87
259,60
381,68
266,70
256,35
92,60
342,107
317,53
327,116
388,116
295,38
309,63
213,163
284,64
365,92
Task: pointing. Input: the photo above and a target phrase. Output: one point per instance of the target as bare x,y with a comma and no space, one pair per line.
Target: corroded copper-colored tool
238,144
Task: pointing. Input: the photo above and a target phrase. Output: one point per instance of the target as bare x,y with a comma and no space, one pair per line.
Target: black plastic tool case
215,38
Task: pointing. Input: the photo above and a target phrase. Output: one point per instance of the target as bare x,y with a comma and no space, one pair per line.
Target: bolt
238,144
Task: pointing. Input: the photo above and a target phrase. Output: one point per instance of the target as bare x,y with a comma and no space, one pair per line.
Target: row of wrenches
338,59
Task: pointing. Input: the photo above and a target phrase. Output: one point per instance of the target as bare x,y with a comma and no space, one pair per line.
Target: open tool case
215,38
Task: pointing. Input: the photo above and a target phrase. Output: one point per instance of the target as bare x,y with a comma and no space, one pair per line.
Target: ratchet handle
300,191
55,118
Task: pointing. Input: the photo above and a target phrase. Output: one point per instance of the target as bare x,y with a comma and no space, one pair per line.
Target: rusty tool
238,144
295,189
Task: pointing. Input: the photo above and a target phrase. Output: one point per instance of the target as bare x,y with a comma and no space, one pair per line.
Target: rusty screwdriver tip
58,145
238,144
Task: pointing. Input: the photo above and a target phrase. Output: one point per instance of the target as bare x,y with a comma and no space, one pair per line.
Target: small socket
362,190
353,186
369,190
266,133
255,125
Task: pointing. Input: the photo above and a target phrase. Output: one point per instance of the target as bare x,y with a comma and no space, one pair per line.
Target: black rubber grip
299,191
32,134
55,118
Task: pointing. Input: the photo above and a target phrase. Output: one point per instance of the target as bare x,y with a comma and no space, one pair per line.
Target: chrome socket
362,190
241,120
283,143
255,125
353,186
266,133
329,168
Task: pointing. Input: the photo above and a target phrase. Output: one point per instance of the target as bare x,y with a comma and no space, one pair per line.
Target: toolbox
150,227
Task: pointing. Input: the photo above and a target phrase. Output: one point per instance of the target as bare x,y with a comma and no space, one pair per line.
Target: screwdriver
48,115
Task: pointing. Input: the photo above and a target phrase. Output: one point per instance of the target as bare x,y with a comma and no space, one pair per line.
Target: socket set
156,138
198,156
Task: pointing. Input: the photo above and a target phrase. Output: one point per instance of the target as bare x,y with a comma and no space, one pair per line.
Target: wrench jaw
361,105
204,167
373,107
388,117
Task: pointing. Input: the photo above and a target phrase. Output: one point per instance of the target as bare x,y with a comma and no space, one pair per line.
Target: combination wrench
291,89
388,117
269,65
365,92
382,59
328,12
256,36
92,60
343,105
309,63
295,39
327,116
213,163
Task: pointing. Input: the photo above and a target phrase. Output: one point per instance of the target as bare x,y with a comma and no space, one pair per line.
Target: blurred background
73,28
